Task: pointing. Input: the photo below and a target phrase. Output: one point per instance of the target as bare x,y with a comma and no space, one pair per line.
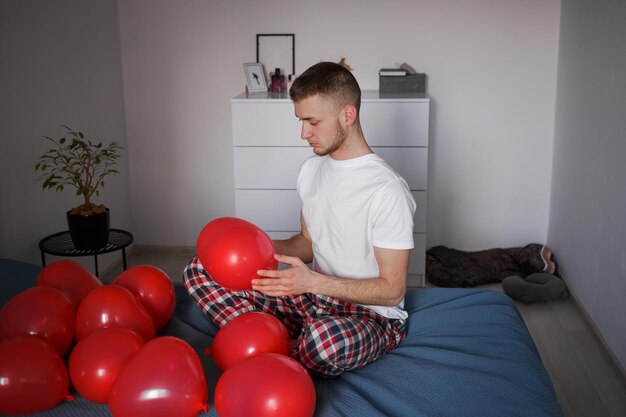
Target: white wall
492,77
491,68
587,224
61,64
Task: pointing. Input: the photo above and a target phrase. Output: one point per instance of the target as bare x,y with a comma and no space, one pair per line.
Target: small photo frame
255,77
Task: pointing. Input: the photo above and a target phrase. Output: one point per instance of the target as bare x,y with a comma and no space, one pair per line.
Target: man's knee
321,348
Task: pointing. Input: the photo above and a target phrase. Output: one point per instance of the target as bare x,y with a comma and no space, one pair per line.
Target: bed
467,353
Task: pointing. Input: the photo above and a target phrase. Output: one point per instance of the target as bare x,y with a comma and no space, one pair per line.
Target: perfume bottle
278,82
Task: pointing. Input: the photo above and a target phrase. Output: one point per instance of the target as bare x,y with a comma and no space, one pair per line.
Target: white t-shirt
351,206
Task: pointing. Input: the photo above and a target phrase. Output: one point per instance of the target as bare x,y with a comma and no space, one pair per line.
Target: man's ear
349,114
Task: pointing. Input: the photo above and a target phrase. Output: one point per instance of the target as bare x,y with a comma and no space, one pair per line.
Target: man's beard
340,138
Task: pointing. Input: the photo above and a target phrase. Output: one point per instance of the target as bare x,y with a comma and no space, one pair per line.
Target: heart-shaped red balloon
97,360
153,288
249,335
232,250
268,385
112,306
164,379
69,276
40,311
34,378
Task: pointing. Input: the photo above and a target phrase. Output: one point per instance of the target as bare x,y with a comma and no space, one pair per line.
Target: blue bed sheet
467,353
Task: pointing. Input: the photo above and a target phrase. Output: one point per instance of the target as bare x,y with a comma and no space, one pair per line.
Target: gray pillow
535,288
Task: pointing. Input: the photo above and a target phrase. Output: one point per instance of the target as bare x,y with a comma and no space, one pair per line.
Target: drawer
278,167
271,210
411,164
268,167
279,210
283,235
395,123
273,124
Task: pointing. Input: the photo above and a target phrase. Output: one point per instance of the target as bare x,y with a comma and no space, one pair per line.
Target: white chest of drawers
268,152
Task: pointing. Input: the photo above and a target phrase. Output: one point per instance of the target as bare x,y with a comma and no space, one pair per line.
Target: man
356,230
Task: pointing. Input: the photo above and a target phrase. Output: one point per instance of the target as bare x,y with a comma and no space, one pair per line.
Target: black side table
60,244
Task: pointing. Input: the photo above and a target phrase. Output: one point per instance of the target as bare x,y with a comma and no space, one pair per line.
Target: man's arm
299,245
387,289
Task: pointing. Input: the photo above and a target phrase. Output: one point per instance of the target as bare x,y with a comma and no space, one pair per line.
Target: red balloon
153,288
34,378
165,378
112,306
232,250
72,278
40,311
266,385
249,335
98,359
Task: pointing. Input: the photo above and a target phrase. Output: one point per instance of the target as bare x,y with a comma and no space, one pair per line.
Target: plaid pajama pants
333,336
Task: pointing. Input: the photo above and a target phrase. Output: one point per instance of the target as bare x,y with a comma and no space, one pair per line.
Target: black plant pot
89,232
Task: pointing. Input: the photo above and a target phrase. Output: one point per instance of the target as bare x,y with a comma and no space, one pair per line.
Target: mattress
467,353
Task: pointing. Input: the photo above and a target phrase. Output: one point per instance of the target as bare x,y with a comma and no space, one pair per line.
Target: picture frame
255,77
277,50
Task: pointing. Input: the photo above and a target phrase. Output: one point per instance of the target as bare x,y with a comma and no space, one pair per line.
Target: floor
586,380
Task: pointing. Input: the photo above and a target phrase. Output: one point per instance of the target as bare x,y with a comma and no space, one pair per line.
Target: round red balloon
99,358
165,378
112,306
153,288
33,376
72,278
249,335
232,250
266,385
40,311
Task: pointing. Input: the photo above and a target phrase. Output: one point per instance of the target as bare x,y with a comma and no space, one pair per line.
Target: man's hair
328,79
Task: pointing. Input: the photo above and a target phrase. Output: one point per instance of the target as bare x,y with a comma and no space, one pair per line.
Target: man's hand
295,280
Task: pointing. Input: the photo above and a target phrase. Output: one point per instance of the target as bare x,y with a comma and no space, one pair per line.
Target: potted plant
78,162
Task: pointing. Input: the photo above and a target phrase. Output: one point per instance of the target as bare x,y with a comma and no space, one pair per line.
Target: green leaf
76,161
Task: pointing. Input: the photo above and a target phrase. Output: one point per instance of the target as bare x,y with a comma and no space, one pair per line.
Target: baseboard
596,333
111,271
164,249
